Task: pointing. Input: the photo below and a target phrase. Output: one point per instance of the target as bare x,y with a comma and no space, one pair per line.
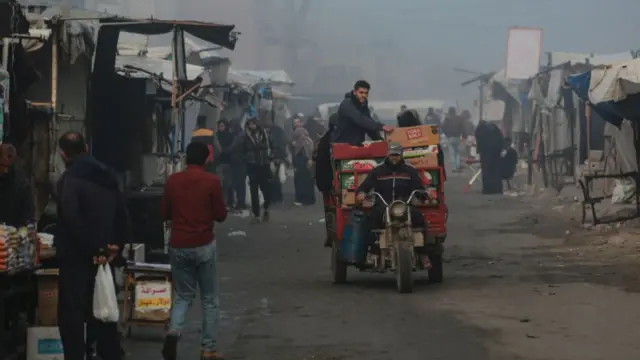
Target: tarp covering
624,157
613,112
131,65
615,82
214,33
558,58
164,52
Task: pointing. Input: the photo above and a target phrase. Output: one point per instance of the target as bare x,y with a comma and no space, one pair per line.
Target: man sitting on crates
393,180
354,121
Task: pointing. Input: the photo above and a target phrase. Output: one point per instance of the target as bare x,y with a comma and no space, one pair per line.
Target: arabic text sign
153,296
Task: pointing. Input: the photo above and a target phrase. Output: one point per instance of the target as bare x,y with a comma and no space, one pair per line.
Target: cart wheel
338,267
436,273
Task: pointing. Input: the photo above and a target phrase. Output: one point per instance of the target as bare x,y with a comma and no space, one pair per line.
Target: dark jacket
392,182
278,142
257,147
453,126
236,155
91,211
355,123
17,207
225,139
432,119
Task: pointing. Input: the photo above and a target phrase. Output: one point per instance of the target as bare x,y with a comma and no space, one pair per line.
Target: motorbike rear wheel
404,270
338,267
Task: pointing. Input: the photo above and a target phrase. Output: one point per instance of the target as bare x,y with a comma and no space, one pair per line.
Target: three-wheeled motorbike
399,247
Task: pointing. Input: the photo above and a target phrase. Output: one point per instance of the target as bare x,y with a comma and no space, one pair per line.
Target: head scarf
302,141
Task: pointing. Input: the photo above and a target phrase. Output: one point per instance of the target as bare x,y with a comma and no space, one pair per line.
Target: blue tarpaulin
612,112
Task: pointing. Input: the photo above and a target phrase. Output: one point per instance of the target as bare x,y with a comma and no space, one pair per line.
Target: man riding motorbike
393,180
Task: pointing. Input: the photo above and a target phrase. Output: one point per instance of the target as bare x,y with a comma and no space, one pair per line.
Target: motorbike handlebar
413,193
375,194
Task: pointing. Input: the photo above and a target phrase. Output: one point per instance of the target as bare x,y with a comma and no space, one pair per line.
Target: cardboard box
347,181
415,136
429,160
348,197
43,343
359,164
47,312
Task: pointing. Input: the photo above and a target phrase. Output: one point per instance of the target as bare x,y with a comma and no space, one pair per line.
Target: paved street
513,290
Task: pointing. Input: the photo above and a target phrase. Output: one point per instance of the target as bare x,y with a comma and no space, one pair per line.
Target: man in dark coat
354,118
225,139
238,165
257,151
279,156
490,142
432,118
93,225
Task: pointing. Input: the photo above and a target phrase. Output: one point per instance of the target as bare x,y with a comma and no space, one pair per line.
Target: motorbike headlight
398,210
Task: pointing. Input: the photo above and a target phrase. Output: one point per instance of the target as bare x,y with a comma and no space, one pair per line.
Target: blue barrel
353,245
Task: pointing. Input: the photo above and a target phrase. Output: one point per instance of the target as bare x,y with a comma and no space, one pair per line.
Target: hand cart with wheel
147,296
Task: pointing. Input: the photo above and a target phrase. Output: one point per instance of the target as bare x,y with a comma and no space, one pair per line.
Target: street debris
237,233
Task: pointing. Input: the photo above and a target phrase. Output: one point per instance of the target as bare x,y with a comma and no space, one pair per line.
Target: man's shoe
265,216
256,220
170,347
211,355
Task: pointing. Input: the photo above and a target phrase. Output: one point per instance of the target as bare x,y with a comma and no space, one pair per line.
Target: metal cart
147,298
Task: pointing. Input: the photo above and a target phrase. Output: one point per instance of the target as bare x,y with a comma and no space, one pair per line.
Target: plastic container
353,245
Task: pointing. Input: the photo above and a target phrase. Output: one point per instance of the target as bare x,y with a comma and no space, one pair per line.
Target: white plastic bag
282,173
622,192
105,303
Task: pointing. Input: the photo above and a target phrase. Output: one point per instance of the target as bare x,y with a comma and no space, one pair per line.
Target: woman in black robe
490,142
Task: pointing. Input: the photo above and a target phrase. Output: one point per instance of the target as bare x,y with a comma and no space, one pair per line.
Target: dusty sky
407,48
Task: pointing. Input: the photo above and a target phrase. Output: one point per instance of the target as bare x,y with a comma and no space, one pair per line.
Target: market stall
613,93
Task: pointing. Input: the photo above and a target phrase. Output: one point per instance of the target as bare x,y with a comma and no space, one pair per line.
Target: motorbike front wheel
404,270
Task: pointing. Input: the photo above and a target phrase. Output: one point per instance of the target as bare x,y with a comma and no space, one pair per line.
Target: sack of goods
17,247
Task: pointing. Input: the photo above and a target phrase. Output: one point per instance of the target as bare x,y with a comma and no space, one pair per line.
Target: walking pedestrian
208,137
238,166
278,158
453,128
302,153
192,201
225,138
257,150
93,225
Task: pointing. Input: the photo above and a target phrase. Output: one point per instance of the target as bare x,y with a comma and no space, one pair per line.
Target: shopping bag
105,302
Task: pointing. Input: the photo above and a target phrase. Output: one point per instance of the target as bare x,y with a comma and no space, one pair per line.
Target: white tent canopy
615,82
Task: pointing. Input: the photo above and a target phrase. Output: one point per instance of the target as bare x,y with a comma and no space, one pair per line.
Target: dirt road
512,291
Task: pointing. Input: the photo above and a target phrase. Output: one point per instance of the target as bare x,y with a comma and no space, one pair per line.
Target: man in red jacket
193,201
